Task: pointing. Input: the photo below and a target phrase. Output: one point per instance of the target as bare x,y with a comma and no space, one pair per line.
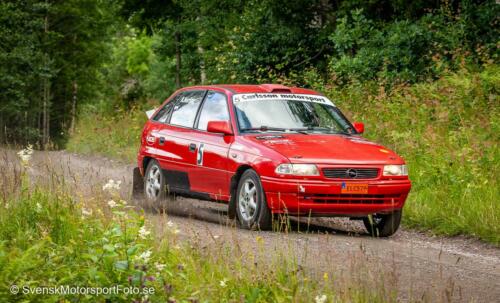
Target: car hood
328,149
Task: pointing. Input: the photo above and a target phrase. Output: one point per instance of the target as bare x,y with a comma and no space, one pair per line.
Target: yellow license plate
354,188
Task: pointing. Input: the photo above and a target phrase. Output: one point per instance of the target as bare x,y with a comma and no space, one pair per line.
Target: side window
186,107
214,109
165,111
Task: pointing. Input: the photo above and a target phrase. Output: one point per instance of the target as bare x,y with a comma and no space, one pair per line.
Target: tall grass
49,238
448,132
115,135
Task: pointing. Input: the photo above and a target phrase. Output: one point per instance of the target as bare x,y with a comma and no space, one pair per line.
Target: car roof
261,88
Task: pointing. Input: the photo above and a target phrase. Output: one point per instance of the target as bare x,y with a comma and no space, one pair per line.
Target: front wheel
251,205
383,225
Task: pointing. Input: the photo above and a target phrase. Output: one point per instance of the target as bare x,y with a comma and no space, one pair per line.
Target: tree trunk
201,53
203,75
3,136
46,95
45,113
73,108
177,59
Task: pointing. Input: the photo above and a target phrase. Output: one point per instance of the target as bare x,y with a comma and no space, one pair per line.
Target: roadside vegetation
447,130
50,238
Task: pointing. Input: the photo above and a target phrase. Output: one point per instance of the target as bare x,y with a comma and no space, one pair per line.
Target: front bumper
318,197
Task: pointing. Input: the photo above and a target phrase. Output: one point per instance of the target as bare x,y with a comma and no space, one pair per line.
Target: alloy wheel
248,200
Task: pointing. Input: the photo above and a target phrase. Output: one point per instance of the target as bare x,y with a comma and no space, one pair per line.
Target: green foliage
402,51
57,55
448,133
51,52
48,239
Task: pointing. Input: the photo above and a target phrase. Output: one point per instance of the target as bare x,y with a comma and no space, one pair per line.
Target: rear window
165,111
186,107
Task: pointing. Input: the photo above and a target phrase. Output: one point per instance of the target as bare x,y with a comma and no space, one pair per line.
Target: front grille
350,173
351,198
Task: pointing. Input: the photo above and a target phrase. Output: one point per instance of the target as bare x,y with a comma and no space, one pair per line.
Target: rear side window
214,109
165,111
186,107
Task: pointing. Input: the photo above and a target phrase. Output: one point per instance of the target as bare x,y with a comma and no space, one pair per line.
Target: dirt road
418,267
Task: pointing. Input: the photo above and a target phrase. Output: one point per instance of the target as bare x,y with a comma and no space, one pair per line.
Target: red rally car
270,149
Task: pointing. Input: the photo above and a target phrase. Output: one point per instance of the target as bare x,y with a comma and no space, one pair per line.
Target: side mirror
219,127
359,127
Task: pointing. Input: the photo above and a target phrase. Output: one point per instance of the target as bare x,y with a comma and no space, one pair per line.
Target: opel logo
351,173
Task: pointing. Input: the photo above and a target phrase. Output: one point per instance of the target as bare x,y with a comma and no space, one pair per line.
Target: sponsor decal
281,97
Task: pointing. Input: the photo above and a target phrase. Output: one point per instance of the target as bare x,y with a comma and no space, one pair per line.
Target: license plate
354,188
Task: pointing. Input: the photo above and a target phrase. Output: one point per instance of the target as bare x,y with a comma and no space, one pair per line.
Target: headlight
297,169
395,170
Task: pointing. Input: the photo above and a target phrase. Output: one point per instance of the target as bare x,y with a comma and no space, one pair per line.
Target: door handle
192,147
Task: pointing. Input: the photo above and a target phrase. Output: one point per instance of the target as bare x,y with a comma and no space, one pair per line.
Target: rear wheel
251,205
154,183
383,225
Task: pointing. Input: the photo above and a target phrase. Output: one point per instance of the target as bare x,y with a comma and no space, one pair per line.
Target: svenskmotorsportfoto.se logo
14,289
81,290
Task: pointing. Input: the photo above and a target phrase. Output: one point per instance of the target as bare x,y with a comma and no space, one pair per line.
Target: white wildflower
173,227
143,232
112,185
216,237
144,256
86,212
320,299
25,155
38,207
160,266
6,205
112,203
222,283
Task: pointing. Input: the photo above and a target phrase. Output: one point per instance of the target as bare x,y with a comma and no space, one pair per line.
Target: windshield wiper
312,128
264,128
320,128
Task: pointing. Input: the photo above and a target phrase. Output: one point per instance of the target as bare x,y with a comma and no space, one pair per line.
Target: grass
114,135
49,238
447,130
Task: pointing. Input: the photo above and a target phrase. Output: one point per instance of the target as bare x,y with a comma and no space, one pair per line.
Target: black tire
259,217
153,170
383,225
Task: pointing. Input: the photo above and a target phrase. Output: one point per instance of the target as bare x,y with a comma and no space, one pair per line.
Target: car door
211,167
156,141
178,152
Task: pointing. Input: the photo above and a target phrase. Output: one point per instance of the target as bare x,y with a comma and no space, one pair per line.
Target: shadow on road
213,212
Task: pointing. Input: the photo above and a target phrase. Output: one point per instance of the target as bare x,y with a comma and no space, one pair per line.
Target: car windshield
283,115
